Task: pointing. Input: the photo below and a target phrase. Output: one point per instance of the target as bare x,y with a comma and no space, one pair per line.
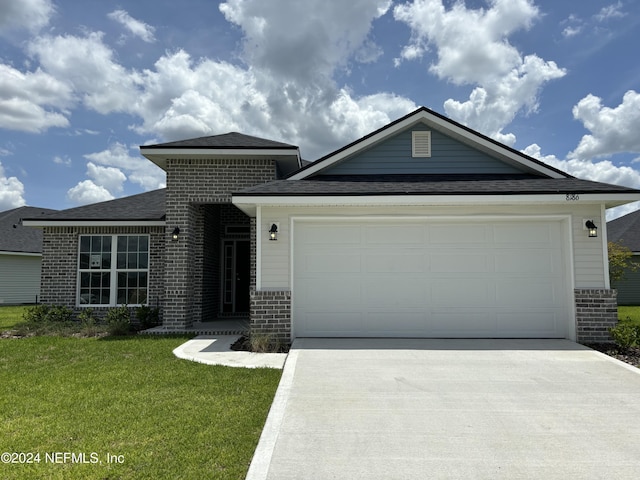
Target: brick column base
596,313
271,313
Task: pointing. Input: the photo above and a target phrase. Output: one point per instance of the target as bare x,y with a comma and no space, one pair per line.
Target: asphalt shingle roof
228,140
431,185
626,230
143,206
14,237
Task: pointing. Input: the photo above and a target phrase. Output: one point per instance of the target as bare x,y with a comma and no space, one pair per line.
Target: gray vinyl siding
628,288
19,279
448,156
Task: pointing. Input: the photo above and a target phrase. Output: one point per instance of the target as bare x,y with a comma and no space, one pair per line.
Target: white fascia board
93,223
247,203
21,254
213,152
441,124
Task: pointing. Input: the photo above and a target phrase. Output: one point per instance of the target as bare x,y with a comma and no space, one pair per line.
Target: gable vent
421,143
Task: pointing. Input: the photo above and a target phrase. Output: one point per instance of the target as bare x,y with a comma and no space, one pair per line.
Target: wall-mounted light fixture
593,230
175,234
273,232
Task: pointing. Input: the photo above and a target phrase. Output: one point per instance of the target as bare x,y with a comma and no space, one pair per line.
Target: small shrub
147,317
46,320
264,343
625,335
119,320
89,325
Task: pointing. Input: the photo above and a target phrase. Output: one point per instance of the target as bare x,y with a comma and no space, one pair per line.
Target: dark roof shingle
625,230
431,185
14,237
227,140
140,207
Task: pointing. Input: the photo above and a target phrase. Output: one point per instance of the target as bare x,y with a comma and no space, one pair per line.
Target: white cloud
31,15
604,171
62,160
613,130
287,93
11,192
572,30
88,66
303,40
610,11
106,169
136,27
87,192
108,177
472,47
24,96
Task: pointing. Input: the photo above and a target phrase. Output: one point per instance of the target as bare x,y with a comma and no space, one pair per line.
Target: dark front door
235,276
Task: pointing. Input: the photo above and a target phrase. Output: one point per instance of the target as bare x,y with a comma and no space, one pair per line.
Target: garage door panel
460,262
394,293
333,263
386,235
318,324
461,292
430,279
534,323
383,262
461,323
525,292
530,261
338,294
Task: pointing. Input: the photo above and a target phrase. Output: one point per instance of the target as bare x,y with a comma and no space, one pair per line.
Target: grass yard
128,405
629,315
10,316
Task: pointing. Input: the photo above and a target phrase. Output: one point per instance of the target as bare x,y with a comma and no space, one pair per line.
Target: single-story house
625,230
20,256
423,228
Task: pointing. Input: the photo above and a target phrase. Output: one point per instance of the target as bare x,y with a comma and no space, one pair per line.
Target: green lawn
10,316
629,315
130,399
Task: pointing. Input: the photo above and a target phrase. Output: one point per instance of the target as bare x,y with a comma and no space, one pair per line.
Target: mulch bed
630,356
244,345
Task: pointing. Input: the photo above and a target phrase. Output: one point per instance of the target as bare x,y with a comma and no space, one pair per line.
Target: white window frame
113,270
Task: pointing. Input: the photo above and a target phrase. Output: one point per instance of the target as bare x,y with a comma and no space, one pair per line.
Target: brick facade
194,187
596,313
59,278
271,313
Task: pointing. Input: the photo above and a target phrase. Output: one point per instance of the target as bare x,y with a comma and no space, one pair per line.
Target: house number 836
572,197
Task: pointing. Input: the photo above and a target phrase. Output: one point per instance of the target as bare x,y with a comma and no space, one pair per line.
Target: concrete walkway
433,409
216,350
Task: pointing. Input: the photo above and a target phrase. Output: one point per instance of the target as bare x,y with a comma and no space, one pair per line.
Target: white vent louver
421,144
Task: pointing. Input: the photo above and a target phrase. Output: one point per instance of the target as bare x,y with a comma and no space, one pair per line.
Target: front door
235,276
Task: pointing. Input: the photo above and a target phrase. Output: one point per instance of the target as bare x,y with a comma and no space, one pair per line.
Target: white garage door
425,279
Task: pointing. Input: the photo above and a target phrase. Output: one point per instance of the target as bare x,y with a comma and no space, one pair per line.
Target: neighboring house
20,256
423,228
626,231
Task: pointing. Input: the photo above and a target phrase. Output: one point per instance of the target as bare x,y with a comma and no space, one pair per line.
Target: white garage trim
563,305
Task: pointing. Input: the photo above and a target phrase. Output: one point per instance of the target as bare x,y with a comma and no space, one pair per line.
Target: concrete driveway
430,409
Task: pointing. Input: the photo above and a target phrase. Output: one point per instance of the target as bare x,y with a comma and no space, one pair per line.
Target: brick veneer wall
59,278
192,183
271,313
596,313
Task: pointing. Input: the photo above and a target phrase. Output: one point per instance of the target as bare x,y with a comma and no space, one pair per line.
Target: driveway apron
429,409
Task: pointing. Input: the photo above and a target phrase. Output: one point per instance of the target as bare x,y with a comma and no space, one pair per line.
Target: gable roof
142,209
14,236
443,124
625,230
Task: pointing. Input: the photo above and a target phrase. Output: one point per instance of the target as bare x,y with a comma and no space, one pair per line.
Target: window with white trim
113,270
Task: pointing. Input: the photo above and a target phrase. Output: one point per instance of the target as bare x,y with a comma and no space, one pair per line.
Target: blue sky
83,84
